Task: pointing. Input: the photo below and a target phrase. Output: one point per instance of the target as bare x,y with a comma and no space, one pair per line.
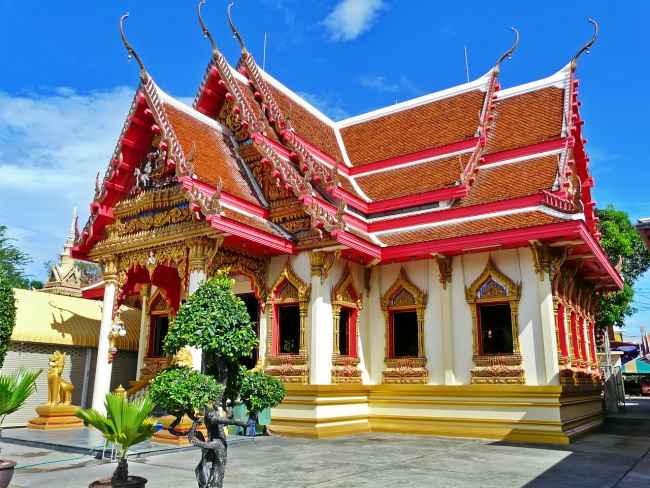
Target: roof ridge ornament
129,49
204,28
235,32
587,47
509,52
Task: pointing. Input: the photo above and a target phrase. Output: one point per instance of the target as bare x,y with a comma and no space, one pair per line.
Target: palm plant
127,423
15,390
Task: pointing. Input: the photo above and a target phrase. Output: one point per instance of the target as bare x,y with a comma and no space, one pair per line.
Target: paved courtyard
372,460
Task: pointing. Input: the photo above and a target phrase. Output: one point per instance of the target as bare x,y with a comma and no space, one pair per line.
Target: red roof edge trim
597,250
390,163
397,222
358,244
249,233
348,219
351,199
523,151
458,245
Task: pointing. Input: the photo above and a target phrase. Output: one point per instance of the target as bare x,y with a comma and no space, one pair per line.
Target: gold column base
54,417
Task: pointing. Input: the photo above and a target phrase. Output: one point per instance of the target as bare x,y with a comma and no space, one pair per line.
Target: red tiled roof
408,131
513,180
526,119
480,226
213,158
411,180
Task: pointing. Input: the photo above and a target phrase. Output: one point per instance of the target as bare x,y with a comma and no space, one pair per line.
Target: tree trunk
121,473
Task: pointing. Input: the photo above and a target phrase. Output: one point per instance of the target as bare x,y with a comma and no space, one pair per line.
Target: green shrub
184,390
259,391
7,315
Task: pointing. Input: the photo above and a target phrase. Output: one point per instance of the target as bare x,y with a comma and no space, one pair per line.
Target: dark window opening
405,334
289,322
159,327
496,329
253,309
344,331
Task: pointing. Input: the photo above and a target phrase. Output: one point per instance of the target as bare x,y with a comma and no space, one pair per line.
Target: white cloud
329,105
379,83
51,146
351,18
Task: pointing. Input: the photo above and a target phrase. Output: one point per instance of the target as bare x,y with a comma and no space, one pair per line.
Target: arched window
403,306
346,305
494,302
287,304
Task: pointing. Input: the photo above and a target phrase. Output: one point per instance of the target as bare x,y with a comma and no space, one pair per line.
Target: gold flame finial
235,32
206,32
587,47
129,49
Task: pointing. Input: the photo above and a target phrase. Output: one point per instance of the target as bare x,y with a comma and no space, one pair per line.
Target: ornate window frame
290,368
495,368
404,369
345,294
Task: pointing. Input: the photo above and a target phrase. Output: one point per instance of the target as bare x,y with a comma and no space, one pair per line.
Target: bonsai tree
216,321
127,423
259,391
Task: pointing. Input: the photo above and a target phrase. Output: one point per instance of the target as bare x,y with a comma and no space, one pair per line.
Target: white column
321,333
196,279
104,367
446,318
144,328
551,359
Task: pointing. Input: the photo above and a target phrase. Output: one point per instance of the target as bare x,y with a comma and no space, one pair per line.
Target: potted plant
14,391
259,391
127,423
214,320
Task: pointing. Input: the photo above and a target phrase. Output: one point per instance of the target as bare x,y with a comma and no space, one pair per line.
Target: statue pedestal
166,437
52,416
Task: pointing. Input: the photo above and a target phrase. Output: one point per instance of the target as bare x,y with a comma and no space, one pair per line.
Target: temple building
429,267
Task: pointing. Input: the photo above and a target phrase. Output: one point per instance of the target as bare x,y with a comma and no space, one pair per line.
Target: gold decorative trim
547,260
109,269
404,295
444,269
254,267
200,250
345,368
321,263
500,368
290,368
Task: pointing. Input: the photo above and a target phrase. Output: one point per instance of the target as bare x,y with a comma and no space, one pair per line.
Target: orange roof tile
427,126
481,226
513,180
526,119
411,180
213,157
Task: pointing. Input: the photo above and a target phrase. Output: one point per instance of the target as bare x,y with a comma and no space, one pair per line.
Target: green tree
13,261
216,321
625,249
259,391
7,314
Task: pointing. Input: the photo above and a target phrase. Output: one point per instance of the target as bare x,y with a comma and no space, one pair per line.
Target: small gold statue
59,391
183,358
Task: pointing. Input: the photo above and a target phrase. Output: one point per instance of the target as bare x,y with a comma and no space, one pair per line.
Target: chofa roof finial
508,53
235,32
206,32
586,48
129,49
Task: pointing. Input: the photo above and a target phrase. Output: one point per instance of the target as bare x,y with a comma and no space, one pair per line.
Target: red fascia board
249,233
416,156
321,155
454,213
358,244
457,245
598,252
350,219
226,197
524,151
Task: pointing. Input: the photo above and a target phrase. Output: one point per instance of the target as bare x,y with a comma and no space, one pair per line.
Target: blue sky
65,84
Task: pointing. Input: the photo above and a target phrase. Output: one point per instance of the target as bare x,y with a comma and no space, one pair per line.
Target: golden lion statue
59,391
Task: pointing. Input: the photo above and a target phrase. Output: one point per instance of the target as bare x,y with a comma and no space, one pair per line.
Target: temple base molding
517,413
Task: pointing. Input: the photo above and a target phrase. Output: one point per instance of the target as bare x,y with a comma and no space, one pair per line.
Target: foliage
184,390
623,246
13,261
127,422
15,390
7,314
259,391
214,320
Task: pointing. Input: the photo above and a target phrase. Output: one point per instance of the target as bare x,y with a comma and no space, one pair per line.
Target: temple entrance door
253,307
